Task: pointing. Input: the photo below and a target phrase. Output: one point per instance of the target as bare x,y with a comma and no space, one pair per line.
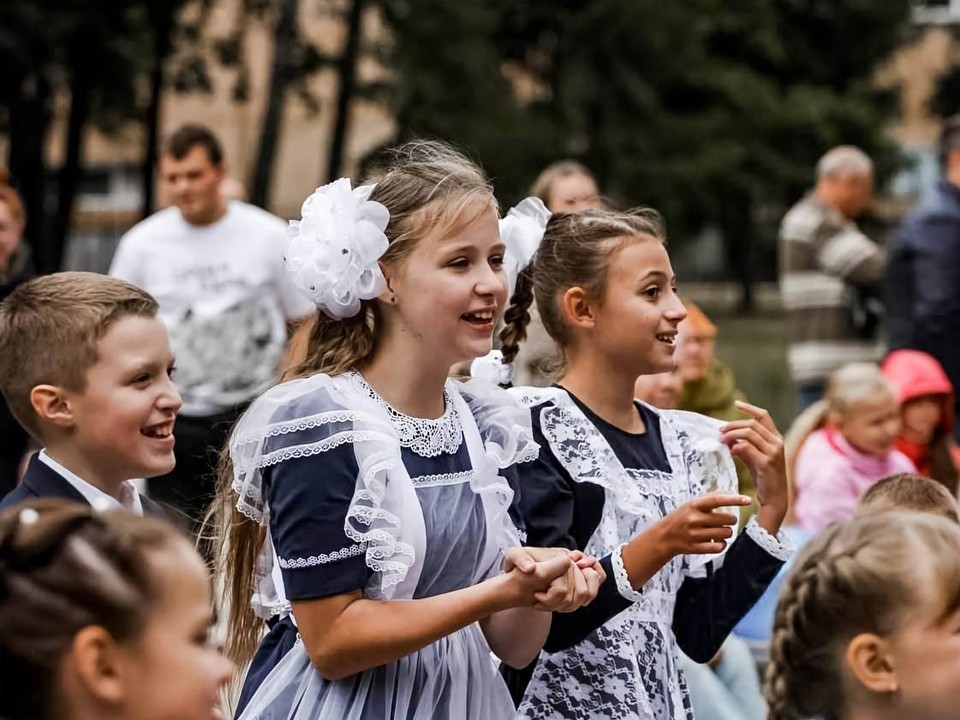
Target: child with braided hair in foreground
103,616
868,625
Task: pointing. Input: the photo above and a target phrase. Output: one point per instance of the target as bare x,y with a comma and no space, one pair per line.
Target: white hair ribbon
333,251
521,231
491,368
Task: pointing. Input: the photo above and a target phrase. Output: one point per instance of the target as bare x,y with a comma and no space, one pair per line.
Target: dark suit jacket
41,480
923,281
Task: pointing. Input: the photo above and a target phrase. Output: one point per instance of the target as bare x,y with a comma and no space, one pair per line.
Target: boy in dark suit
86,368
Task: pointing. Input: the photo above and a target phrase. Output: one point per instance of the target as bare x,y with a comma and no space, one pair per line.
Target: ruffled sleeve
312,459
308,505
504,423
506,436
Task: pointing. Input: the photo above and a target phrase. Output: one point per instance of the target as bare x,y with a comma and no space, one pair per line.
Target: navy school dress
323,507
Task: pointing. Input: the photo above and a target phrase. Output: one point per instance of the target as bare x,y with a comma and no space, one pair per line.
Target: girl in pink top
844,444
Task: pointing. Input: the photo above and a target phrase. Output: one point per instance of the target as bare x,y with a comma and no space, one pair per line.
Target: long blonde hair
426,186
862,576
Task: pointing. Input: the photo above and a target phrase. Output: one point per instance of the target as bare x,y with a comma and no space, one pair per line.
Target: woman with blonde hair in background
566,186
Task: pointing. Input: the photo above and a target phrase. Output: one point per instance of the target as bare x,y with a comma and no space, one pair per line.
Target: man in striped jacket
831,273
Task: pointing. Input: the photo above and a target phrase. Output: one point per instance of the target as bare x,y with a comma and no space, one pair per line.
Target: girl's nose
491,282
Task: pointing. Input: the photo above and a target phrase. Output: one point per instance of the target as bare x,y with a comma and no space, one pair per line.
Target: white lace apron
453,678
629,667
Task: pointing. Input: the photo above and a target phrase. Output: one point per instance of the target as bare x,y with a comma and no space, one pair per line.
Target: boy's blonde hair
49,329
908,491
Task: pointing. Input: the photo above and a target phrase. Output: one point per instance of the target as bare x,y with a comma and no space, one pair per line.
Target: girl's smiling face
871,426
637,318
451,290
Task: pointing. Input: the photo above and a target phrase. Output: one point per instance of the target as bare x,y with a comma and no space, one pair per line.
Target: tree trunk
29,120
68,182
163,13
273,116
348,79
736,224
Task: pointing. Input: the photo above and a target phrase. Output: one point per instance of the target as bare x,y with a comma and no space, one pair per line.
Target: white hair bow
491,368
521,231
333,251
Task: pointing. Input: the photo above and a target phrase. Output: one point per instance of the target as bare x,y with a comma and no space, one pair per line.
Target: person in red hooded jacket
927,409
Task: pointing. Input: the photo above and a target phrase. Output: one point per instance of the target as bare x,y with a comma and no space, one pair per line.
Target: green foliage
680,104
55,40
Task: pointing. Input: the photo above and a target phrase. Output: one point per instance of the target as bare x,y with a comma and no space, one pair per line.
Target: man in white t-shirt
216,268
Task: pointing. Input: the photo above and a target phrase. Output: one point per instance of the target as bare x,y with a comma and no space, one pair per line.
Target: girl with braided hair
103,616
868,624
626,482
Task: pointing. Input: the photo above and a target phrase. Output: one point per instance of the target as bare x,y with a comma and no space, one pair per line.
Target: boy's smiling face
121,425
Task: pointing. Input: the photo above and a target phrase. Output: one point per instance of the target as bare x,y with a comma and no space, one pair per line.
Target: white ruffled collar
425,436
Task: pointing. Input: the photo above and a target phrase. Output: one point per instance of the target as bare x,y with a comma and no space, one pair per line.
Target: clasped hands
553,579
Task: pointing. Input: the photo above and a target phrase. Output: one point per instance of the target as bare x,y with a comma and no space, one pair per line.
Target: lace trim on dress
250,497
283,427
781,547
621,577
322,558
426,437
455,478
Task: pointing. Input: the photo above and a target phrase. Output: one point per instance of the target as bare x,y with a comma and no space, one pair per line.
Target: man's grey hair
844,160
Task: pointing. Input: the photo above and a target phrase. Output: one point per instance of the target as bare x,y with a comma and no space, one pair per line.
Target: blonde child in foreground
868,625
103,616
843,444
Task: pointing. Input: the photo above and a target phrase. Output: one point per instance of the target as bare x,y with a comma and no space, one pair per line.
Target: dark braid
517,315
64,567
856,577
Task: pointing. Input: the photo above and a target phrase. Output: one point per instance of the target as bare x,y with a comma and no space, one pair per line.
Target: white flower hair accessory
333,251
491,368
521,231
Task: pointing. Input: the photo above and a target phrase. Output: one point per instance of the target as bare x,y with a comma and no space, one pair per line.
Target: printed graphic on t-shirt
228,357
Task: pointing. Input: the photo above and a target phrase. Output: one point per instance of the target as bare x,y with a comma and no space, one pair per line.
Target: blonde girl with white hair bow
366,500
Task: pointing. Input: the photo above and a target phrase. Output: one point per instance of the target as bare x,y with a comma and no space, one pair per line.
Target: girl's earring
393,299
